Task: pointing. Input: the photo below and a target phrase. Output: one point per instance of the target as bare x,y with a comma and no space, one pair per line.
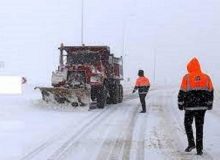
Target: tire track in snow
129,133
124,146
119,141
63,150
124,140
52,140
112,136
121,147
153,138
138,141
137,150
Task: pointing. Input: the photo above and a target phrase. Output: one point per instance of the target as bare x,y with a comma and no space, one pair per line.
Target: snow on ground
34,130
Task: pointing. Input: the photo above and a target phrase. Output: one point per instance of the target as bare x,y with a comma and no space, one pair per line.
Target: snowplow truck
86,75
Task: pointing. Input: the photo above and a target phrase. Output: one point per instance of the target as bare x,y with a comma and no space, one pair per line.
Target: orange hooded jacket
196,91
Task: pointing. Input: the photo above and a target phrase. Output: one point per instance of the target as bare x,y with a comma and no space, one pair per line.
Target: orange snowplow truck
86,72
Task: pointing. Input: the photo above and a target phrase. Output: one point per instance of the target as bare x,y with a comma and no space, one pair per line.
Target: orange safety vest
142,81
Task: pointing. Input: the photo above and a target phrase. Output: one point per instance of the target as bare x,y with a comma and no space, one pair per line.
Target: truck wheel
101,97
120,93
115,96
109,100
93,93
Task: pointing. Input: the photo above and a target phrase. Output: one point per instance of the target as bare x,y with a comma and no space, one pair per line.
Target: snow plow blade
75,97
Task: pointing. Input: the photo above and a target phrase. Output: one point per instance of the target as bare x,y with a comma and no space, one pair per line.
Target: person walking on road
195,96
142,85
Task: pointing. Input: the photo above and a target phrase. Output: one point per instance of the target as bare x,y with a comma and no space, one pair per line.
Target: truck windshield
83,58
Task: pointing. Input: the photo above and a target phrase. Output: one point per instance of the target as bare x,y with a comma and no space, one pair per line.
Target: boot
189,148
199,153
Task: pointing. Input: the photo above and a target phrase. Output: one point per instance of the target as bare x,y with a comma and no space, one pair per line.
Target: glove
180,107
209,105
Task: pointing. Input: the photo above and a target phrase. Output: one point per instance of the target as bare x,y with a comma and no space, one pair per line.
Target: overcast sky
173,30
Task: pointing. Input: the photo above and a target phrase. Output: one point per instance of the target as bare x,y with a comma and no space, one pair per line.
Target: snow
31,129
156,36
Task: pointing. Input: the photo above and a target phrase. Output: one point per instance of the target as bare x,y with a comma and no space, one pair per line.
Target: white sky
31,32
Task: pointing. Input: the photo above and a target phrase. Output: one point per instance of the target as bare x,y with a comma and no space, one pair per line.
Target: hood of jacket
194,66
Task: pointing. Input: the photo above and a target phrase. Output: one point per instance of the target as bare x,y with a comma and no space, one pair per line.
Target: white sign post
2,64
10,85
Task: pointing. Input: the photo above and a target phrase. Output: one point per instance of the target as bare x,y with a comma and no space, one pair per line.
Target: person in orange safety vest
195,97
142,85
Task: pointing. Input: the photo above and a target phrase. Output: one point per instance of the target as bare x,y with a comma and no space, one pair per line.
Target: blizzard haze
172,31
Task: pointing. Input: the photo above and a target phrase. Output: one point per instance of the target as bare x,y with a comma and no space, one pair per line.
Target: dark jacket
196,91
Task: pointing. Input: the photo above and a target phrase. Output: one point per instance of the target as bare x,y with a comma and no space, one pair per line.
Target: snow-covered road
33,130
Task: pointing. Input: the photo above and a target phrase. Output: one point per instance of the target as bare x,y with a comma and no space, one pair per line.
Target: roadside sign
2,64
10,85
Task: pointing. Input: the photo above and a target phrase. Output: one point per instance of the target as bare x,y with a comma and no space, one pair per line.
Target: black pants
199,121
142,99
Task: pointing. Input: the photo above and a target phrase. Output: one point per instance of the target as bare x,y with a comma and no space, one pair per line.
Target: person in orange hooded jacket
195,97
142,85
